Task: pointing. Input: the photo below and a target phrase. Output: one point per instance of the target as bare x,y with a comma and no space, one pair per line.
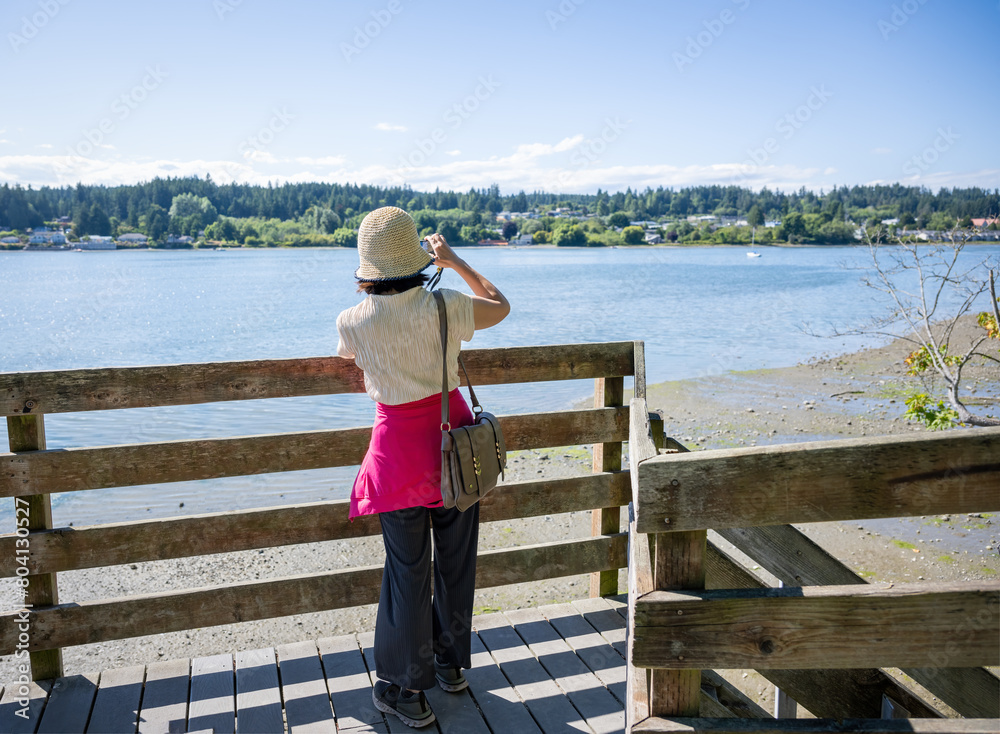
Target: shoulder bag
473,458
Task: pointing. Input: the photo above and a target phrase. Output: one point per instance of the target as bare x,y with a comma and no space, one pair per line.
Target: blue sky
555,95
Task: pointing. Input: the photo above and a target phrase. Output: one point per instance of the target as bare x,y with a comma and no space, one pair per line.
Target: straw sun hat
389,246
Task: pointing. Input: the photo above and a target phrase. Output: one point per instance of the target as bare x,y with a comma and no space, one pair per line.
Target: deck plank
551,710
164,707
303,689
349,686
456,711
213,695
501,707
591,647
116,707
605,619
548,669
258,693
393,724
602,711
70,701
36,694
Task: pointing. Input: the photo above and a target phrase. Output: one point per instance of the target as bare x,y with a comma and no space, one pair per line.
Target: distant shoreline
742,246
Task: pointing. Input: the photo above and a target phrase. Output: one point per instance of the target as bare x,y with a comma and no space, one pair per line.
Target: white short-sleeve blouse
396,340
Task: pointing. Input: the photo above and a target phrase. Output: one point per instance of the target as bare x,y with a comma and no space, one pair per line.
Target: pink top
403,465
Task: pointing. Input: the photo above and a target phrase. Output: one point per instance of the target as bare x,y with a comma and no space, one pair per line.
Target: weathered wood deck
558,668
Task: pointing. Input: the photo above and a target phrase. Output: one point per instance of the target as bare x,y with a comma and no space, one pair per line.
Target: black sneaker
411,708
449,677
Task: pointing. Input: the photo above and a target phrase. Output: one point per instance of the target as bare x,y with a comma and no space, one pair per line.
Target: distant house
890,222
984,222
652,238
492,243
133,238
523,239
42,236
10,240
182,240
95,242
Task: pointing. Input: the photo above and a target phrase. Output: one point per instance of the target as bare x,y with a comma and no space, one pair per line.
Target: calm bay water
700,311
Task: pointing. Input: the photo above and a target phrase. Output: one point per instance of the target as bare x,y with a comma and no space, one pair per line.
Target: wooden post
27,433
679,564
641,552
608,392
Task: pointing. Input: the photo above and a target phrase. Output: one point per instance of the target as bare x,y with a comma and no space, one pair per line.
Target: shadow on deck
558,668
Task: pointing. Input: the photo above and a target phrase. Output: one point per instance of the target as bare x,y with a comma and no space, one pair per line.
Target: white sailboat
753,239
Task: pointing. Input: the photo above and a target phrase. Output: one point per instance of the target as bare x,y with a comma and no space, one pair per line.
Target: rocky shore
850,395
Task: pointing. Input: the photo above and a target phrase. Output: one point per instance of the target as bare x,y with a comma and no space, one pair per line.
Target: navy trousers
412,624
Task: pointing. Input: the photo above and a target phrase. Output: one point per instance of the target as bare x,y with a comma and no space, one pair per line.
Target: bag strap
443,319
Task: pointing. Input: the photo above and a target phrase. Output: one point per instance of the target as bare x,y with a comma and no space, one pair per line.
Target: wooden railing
31,474
825,636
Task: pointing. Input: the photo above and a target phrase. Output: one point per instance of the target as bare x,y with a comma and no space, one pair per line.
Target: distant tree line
327,213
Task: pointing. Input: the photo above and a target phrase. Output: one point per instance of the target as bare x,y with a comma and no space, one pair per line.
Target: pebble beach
858,394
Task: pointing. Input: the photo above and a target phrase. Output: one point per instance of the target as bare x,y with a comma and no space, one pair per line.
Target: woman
394,336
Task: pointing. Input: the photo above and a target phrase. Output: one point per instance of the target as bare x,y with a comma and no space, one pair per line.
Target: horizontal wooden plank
77,624
818,726
68,549
69,391
943,625
73,470
827,692
798,561
850,479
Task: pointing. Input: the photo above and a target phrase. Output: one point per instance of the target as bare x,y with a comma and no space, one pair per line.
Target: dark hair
381,287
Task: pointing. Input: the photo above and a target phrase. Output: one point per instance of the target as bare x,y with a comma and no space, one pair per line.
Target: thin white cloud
260,156
537,150
529,167
986,178
330,160
453,152
881,151
390,128
45,145
5,142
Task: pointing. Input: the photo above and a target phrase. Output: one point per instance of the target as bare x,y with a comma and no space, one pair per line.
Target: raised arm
489,306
